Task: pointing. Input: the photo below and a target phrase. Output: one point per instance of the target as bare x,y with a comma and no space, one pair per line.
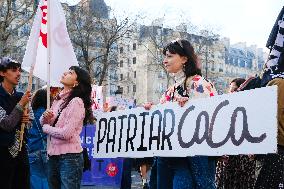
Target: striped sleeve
9,122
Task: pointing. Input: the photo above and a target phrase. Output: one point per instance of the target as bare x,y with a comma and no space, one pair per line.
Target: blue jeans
38,169
65,171
185,173
126,174
153,176
173,173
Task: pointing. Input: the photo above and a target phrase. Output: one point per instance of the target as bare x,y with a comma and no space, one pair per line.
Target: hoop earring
75,85
183,67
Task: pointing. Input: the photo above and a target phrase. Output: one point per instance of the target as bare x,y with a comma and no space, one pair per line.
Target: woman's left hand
182,100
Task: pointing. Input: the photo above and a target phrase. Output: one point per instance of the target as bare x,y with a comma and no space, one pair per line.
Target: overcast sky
241,20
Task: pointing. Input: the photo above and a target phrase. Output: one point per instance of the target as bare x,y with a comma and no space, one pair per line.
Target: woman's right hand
224,158
148,105
48,114
182,100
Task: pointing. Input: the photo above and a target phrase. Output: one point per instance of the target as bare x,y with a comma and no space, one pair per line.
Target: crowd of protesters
52,156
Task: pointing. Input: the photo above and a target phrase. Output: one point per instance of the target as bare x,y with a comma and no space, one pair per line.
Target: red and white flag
61,52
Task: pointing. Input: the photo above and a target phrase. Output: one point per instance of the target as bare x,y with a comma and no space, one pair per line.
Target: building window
113,46
242,63
231,60
134,46
161,87
236,61
134,88
98,42
212,67
128,61
128,75
249,63
134,74
128,89
99,57
134,60
121,77
119,89
121,50
14,7
121,63
161,74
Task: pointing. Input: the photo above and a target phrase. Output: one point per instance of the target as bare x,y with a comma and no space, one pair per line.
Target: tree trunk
1,48
105,66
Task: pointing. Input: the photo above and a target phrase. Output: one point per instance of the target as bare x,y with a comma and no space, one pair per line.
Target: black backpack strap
57,117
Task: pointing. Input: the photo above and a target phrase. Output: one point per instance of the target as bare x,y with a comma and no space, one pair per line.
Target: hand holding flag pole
26,108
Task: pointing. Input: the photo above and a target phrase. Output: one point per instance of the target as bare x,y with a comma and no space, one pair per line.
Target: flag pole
26,108
48,54
29,88
48,64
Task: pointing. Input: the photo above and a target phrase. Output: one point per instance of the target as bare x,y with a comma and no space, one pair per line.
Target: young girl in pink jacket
63,123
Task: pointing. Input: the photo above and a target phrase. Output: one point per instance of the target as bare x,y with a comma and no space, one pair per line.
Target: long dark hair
82,90
238,81
39,99
184,48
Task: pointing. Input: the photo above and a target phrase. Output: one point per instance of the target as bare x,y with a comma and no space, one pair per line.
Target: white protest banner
238,123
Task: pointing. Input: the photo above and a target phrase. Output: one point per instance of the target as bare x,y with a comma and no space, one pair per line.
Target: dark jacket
10,116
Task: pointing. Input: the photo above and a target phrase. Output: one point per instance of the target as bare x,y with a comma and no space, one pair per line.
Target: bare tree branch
94,36
14,15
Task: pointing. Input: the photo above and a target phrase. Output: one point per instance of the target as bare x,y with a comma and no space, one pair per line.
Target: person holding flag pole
14,172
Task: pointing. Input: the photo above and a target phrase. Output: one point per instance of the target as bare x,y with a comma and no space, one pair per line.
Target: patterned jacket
193,87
